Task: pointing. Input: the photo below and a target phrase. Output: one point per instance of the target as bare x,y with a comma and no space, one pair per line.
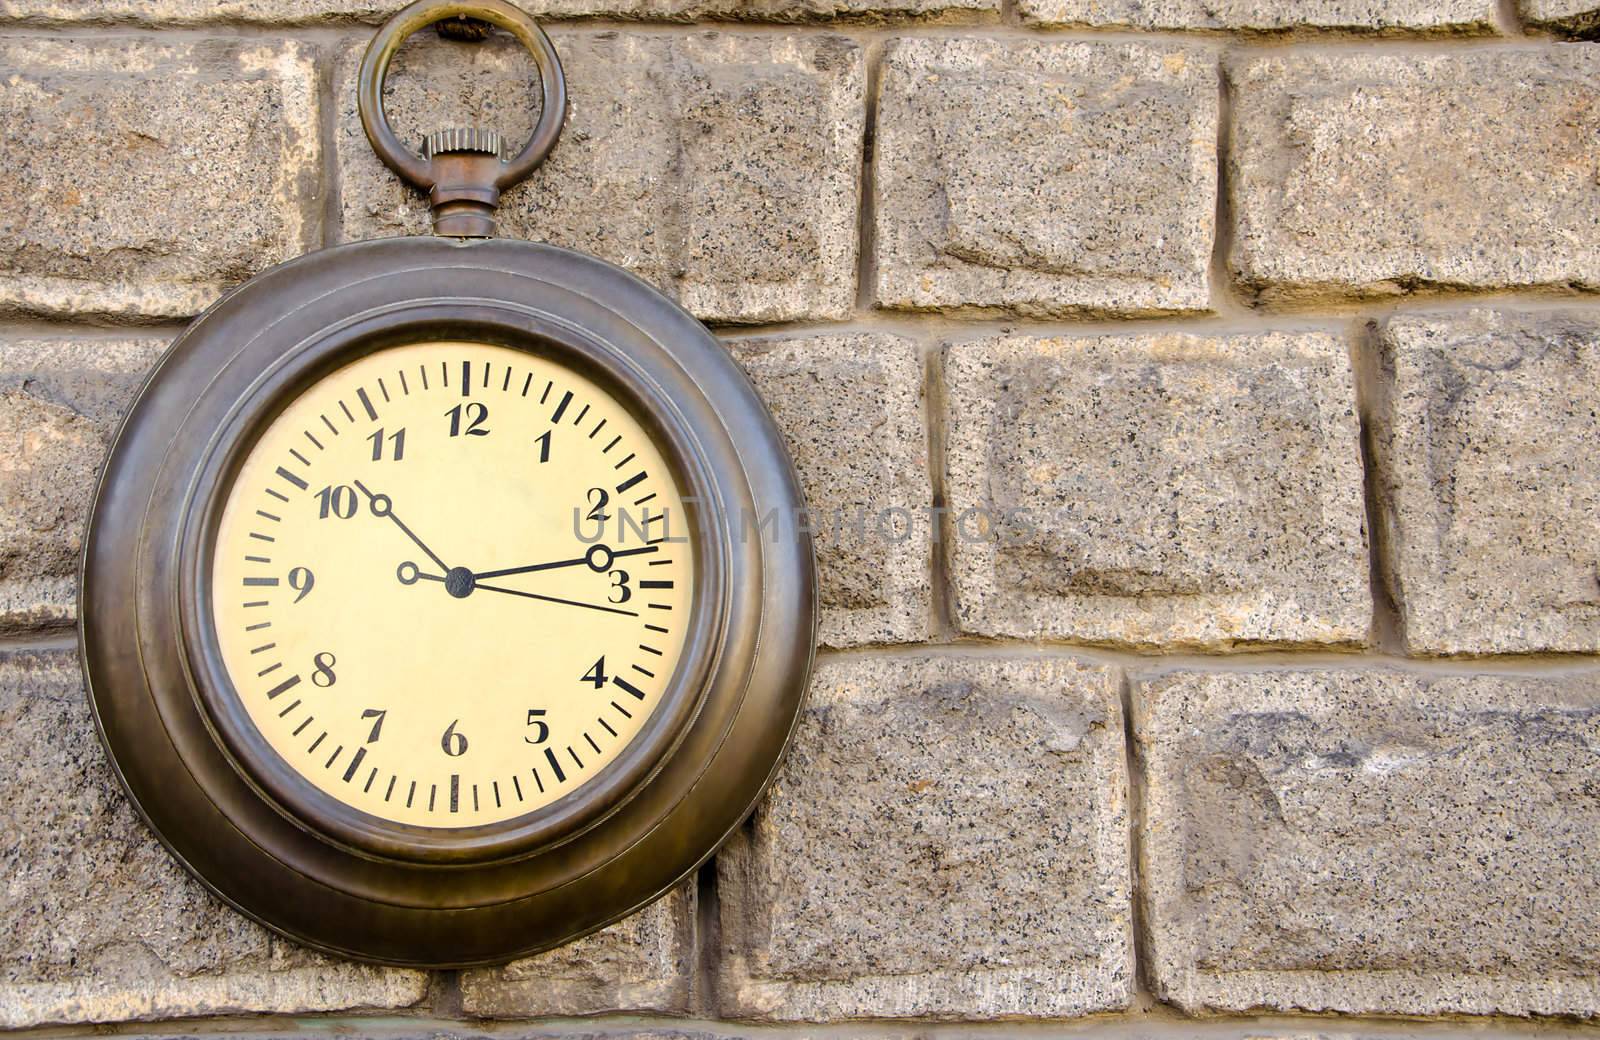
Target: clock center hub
458,581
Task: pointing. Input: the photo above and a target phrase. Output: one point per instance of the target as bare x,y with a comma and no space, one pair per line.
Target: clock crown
471,140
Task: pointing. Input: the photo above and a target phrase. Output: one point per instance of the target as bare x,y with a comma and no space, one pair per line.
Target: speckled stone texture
851,408
101,924
1372,842
1574,17
947,838
721,168
1374,175
60,401
984,151
312,12
1489,482
154,175
1266,15
1156,491
642,963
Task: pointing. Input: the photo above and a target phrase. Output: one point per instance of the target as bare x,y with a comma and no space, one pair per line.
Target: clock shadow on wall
420,615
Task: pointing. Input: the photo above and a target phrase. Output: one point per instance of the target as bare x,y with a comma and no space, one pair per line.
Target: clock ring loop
424,171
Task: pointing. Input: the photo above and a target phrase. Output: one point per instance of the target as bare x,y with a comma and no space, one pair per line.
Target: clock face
451,583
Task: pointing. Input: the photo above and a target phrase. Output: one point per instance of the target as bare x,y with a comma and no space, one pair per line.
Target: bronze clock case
323,872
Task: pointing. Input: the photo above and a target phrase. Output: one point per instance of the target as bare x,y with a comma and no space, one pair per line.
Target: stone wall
1199,401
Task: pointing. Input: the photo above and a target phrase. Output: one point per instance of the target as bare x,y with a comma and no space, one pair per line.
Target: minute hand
598,558
388,511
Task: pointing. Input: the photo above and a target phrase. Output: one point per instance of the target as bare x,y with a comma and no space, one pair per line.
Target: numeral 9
301,580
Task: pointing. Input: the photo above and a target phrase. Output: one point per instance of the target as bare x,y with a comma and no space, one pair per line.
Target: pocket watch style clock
424,610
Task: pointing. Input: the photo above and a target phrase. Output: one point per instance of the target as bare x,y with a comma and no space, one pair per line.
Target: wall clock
422,608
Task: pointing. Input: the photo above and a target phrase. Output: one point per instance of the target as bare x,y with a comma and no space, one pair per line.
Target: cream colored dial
450,583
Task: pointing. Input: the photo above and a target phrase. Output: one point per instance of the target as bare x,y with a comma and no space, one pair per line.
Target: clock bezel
459,907
298,373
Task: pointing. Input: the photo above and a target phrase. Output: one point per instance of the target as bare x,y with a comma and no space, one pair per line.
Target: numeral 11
397,443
